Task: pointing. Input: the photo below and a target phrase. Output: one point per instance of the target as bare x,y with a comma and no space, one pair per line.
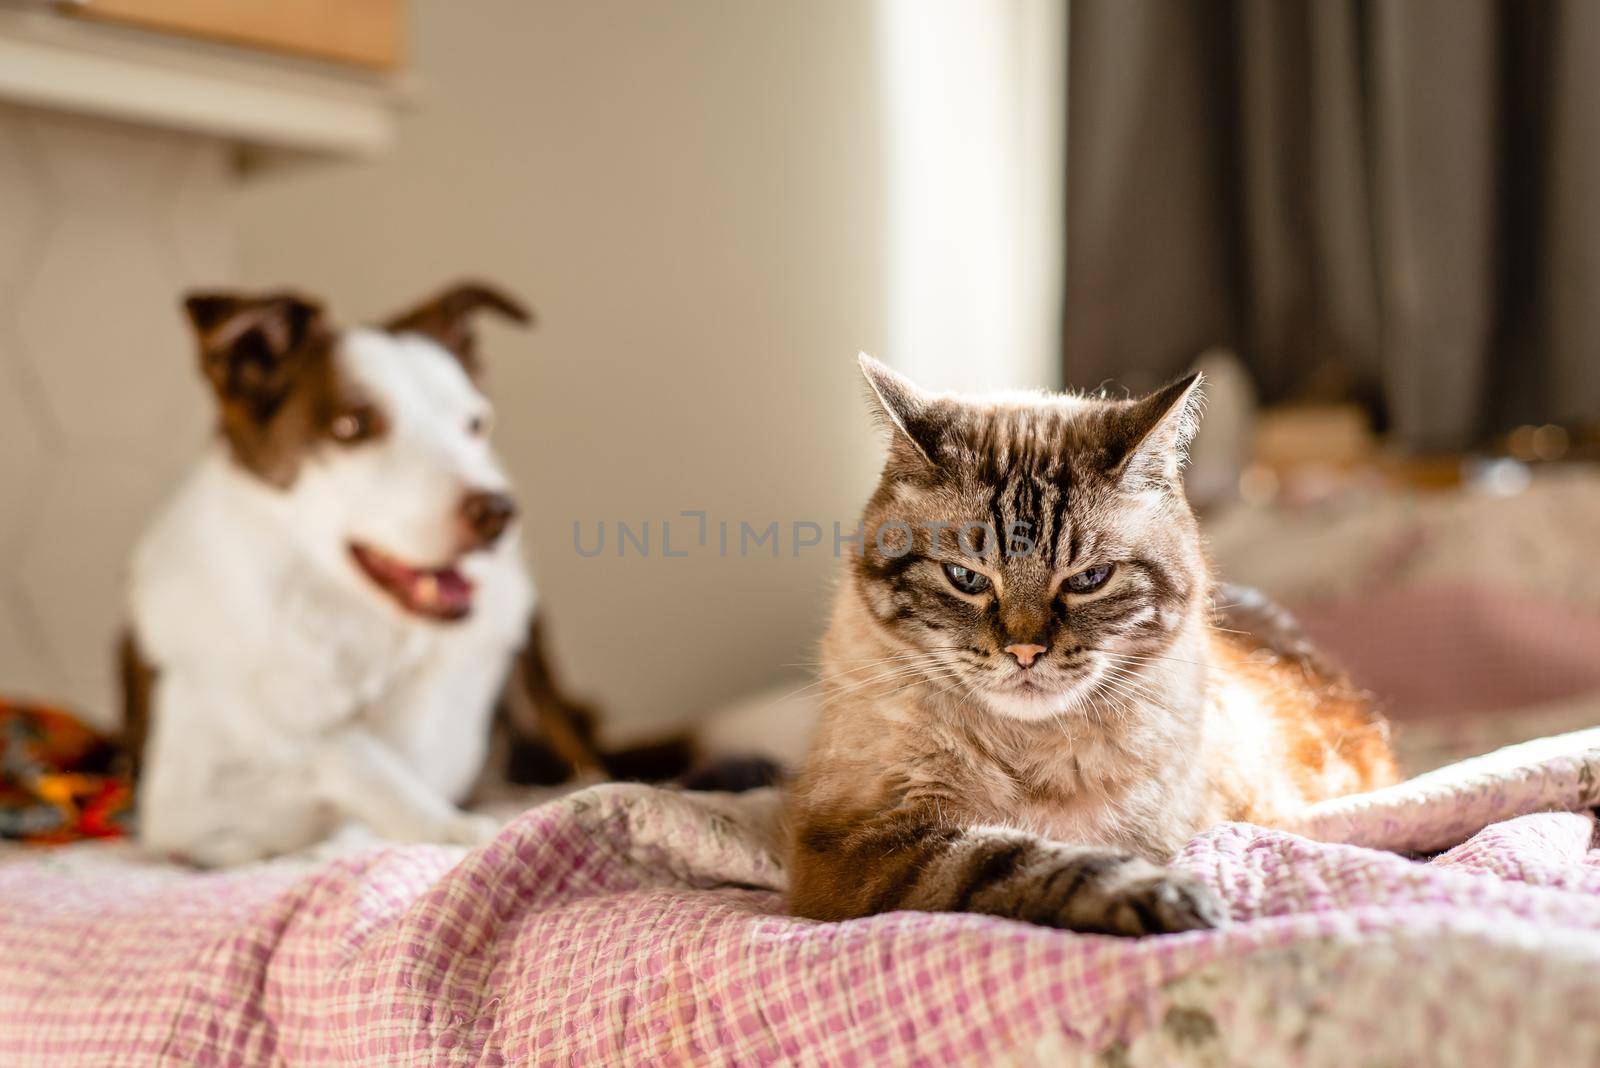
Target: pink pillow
1449,652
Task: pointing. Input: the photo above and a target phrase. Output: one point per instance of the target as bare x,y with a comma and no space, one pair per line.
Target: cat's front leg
1099,890
906,860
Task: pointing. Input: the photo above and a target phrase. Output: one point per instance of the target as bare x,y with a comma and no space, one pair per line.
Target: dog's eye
1090,578
354,425
478,426
965,579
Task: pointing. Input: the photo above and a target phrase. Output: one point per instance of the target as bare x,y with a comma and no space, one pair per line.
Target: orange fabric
60,781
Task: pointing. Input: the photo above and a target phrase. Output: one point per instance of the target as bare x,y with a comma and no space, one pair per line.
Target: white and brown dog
325,614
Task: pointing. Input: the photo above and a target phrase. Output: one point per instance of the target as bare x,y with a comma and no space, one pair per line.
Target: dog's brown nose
487,515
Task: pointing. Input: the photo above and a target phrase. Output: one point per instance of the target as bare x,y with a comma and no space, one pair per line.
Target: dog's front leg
368,781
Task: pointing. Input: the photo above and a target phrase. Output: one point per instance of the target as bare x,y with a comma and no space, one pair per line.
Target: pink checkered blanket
628,925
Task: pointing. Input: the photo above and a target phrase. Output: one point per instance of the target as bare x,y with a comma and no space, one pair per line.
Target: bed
632,925
1452,919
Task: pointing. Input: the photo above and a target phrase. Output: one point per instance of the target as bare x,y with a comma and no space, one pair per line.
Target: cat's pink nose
1025,654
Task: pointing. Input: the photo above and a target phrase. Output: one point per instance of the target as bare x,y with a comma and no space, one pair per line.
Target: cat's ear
906,410
1147,439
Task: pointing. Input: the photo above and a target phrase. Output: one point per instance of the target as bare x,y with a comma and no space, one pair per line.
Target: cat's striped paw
1167,903
1121,894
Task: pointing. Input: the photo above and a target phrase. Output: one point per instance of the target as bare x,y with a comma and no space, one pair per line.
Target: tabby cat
1030,699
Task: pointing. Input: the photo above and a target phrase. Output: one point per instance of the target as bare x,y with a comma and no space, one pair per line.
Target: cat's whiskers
912,684
821,684
1146,657
841,687
1122,700
880,672
859,664
912,659
1130,683
961,683
910,655
1151,701
1139,714
918,670
1138,698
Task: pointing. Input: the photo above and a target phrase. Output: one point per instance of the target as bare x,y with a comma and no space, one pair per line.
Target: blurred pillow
1539,543
1458,651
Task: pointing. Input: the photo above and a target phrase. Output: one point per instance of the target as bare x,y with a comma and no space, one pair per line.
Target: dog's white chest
357,655
437,712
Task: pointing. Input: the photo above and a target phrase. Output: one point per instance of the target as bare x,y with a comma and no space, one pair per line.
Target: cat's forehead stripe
1022,501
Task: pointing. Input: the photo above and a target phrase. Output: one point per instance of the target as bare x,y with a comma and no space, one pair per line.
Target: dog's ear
446,317
248,344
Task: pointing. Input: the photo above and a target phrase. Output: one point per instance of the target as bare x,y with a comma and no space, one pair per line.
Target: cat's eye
965,579
478,426
355,425
1090,578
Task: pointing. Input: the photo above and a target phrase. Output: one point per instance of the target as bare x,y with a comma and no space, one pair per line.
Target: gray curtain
1397,200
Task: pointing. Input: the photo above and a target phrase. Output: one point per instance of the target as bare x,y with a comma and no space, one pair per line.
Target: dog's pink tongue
454,589
442,590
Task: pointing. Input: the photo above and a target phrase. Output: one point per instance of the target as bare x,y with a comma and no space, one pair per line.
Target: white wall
102,225
696,196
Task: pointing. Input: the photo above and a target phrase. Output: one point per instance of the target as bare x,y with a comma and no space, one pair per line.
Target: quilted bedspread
628,925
